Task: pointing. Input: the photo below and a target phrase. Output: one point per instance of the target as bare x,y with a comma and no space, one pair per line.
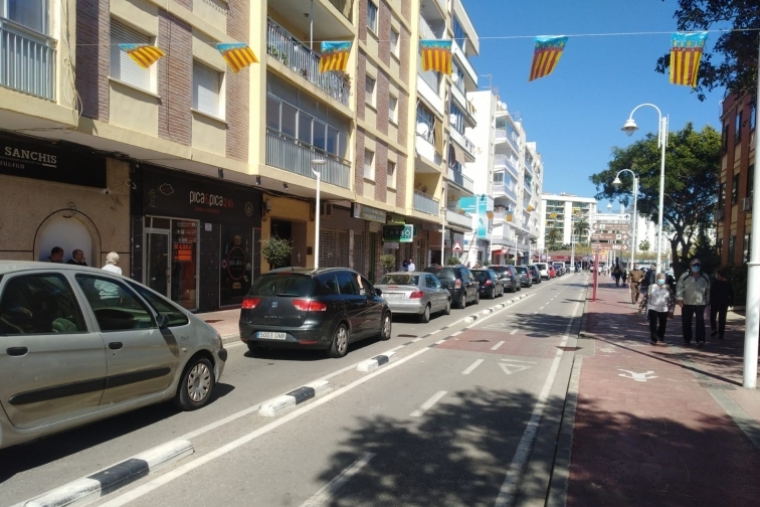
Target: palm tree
581,230
553,236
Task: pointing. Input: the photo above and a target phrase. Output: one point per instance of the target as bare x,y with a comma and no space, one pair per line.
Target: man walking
411,267
637,276
721,297
692,294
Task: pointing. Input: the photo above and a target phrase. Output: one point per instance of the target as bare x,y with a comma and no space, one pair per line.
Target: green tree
733,61
553,236
276,251
581,230
644,245
692,173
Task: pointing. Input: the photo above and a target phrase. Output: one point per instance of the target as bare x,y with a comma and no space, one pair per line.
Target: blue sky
575,114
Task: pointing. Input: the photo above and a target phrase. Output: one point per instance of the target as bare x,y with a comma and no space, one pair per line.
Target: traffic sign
605,237
611,226
619,247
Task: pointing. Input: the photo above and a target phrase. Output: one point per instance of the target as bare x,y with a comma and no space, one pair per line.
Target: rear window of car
442,273
284,285
541,266
521,269
481,276
399,280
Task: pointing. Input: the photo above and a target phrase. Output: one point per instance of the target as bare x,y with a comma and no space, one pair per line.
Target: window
369,91
738,127
459,34
747,248
392,109
391,180
162,306
724,138
394,42
369,165
735,189
329,284
722,195
456,118
123,67
30,13
115,306
39,304
425,124
457,76
750,180
731,249
347,283
371,16
206,90
498,178
753,116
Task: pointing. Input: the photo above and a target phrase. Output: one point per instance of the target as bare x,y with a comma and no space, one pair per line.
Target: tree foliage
692,174
553,236
644,245
276,251
733,62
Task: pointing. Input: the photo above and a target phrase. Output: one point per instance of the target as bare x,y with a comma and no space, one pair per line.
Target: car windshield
442,273
399,279
284,285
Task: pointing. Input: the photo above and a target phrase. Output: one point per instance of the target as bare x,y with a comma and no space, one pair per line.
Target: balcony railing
426,204
508,163
455,217
501,134
345,7
501,188
305,62
528,187
289,154
460,179
27,60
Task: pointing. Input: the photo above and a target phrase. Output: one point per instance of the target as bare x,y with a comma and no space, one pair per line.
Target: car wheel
385,330
195,385
339,345
447,311
463,301
425,317
477,297
493,293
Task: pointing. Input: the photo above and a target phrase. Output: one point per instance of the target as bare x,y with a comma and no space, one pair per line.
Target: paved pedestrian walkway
666,425
225,322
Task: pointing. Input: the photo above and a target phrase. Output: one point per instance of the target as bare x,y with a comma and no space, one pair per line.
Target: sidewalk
666,425
225,322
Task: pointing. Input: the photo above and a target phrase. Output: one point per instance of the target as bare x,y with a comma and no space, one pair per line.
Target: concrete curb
230,338
376,362
277,405
90,489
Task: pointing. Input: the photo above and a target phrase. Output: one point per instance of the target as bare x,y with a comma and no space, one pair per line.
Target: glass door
157,251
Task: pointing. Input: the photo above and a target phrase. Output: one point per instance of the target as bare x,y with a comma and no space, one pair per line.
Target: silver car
80,344
417,293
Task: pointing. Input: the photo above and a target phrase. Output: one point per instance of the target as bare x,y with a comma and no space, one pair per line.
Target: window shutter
123,67
206,89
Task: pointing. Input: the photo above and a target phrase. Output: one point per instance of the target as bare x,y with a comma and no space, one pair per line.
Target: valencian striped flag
144,55
237,55
546,56
334,56
685,55
436,55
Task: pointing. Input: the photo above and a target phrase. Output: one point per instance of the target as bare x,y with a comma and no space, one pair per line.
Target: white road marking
428,404
457,333
396,348
332,487
509,369
431,333
496,347
474,365
513,331
508,489
439,342
418,339
516,361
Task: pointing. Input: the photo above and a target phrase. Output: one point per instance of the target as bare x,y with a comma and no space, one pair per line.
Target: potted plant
388,261
276,251
452,261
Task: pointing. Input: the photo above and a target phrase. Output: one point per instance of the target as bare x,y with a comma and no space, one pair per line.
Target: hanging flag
685,55
334,56
143,55
436,55
546,56
237,55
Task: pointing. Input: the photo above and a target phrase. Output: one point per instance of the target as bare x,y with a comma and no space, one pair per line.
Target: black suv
462,286
305,308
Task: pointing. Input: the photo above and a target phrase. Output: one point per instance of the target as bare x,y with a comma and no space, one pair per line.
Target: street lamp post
662,141
616,183
317,212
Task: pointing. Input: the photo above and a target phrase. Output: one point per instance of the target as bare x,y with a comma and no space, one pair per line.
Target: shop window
123,67
206,90
236,264
30,13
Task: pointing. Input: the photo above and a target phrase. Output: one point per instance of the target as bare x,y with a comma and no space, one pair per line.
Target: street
451,420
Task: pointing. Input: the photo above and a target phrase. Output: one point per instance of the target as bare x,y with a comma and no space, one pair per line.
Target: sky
575,114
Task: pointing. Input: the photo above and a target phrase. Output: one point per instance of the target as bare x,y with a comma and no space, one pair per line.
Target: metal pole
443,226
753,282
663,145
311,26
318,212
596,274
635,220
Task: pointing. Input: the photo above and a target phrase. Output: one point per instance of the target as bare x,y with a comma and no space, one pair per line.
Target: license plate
271,336
393,295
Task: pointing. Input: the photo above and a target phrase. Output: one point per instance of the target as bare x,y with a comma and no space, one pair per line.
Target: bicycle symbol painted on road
638,377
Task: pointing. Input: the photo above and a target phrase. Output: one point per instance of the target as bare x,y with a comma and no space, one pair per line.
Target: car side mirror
378,292
162,321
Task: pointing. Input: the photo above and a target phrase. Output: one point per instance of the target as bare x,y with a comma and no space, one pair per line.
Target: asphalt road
451,421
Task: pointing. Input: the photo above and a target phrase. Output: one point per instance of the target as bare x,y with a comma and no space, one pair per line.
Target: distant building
558,211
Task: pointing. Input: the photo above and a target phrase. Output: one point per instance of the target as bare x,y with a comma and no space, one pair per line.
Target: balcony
469,147
426,150
528,187
456,176
427,88
345,7
503,161
426,204
463,62
500,189
454,217
291,155
501,135
27,60
285,48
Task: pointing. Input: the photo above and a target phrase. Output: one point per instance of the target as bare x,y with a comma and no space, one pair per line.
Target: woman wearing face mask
659,303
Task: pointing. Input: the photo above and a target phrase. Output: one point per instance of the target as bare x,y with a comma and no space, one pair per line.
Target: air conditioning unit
327,209
747,204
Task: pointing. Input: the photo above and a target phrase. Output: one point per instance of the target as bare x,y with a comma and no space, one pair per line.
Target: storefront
341,237
195,239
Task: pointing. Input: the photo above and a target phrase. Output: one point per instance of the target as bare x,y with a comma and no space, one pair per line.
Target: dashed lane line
496,347
428,404
474,365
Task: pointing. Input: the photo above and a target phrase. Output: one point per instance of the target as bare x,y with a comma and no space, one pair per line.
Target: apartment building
558,213
733,215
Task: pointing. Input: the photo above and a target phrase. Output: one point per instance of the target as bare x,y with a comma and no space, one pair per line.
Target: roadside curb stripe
295,397
376,362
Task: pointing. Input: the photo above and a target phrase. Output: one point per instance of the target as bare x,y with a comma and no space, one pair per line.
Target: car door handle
16,351
115,345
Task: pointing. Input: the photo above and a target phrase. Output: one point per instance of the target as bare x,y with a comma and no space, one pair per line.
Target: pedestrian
56,255
616,275
112,261
659,303
77,258
637,276
721,297
624,274
692,294
405,265
411,266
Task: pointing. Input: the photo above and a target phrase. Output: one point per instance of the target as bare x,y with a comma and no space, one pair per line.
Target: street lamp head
630,127
616,182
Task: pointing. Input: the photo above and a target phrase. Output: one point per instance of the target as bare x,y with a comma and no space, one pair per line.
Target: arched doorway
70,230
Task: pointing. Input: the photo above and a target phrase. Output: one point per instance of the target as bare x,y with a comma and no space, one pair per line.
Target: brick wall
359,176
382,92
361,76
93,57
363,20
401,171
237,87
406,9
175,78
384,27
381,171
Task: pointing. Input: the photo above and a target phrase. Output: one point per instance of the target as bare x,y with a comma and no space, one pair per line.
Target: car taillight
458,284
306,305
416,294
250,303
488,282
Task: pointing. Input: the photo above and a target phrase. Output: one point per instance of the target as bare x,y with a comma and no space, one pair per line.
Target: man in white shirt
109,292
411,267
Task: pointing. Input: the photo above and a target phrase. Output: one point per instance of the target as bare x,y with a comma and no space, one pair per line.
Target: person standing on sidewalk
692,294
660,302
721,297
636,277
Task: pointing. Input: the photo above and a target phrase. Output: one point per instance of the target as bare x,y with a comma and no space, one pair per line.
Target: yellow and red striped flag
334,56
238,55
436,55
685,56
143,55
546,56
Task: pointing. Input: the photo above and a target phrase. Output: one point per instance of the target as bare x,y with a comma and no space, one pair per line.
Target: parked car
79,344
305,308
552,272
505,276
459,282
526,279
417,293
559,268
489,283
511,274
535,273
543,268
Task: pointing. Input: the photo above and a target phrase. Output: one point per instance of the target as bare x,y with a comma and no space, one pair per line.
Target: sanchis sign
21,156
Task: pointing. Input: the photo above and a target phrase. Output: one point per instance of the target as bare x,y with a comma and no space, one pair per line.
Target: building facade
559,213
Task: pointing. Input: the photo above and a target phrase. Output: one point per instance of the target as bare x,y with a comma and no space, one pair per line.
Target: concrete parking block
375,362
277,405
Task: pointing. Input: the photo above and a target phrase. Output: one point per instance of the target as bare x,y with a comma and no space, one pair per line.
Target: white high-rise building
558,212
